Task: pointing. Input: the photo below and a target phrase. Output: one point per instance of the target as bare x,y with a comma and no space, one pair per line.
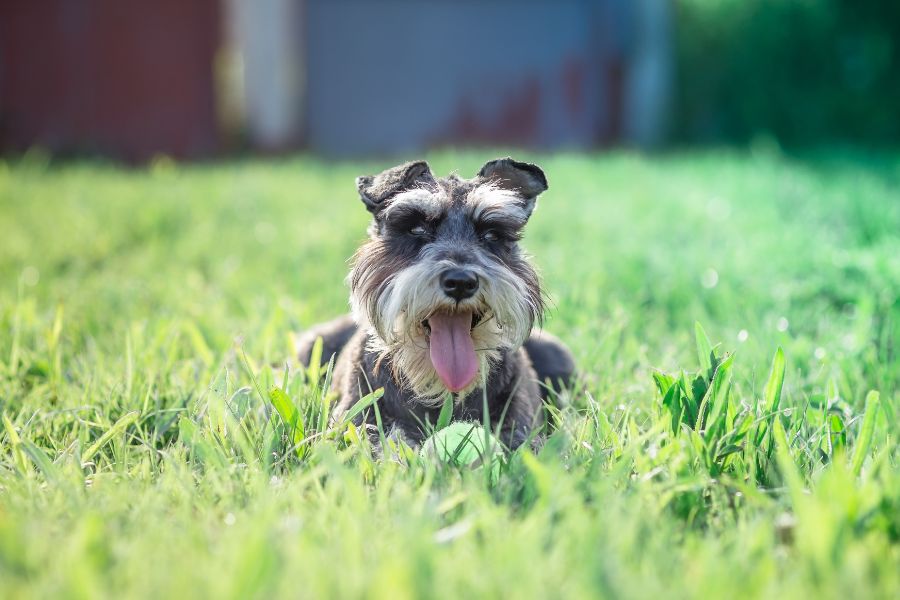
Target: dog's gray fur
421,227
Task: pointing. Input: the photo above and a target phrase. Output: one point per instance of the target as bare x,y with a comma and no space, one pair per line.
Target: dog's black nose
459,283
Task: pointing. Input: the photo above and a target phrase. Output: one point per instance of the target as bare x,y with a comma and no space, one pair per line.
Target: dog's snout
459,284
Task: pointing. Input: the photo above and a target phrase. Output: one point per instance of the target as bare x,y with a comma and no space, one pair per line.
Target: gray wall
363,77
395,76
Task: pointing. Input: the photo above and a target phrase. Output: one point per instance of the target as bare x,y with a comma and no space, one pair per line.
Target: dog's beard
398,307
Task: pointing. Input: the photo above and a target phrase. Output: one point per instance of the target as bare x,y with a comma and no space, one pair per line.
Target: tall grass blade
362,404
250,369
16,328
663,382
15,443
772,391
116,429
187,431
446,413
786,464
290,416
198,343
704,348
41,460
314,370
718,394
772,395
864,441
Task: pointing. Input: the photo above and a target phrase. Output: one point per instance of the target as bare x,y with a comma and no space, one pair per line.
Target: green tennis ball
464,445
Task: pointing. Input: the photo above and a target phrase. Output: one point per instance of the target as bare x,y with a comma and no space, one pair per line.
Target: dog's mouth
452,349
477,317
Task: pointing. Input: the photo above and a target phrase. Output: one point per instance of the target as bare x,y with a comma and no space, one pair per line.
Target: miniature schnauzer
444,301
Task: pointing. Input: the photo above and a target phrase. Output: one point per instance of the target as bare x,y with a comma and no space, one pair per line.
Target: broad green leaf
674,404
663,382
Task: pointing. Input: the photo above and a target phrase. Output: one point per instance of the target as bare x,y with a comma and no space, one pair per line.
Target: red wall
128,78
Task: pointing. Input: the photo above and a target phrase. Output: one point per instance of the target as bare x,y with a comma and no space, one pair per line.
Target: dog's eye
418,230
490,235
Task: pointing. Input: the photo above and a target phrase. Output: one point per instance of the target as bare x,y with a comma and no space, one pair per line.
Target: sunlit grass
152,443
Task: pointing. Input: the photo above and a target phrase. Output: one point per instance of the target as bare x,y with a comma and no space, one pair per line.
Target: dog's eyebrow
419,199
501,222
490,201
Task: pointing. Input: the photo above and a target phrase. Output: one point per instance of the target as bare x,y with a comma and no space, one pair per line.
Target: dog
444,301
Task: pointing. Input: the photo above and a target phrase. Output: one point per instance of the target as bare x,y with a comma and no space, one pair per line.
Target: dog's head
442,281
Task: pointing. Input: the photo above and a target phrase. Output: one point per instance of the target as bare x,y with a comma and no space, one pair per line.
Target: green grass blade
792,478
772,391
446,413
314,370
718,395
289,414
663,382
16,329
327,397
691,407
362,404
704,348
198,343
15,443
772,394
187,431
864,441
41,460
250,369
116,429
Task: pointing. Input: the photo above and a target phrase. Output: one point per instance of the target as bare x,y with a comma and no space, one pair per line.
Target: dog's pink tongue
452,349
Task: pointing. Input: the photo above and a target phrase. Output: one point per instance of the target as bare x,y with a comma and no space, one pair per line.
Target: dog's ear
376,190
525,179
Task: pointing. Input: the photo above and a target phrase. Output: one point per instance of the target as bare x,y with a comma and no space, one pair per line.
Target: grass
148,448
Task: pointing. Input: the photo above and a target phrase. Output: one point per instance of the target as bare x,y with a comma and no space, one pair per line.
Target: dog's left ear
376,190
525,179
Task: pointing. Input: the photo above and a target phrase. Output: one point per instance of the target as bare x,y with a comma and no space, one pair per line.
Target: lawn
144,315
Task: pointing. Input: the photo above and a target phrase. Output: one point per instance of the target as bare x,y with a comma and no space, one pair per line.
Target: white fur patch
491,200
429,202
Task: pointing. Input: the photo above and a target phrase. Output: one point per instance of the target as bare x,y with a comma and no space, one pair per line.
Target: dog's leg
551,360
335,335
517,402
520,421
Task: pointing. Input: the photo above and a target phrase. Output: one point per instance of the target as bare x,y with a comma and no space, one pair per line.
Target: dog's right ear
376,190
525,179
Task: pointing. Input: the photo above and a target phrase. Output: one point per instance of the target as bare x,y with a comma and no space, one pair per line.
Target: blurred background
207,78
